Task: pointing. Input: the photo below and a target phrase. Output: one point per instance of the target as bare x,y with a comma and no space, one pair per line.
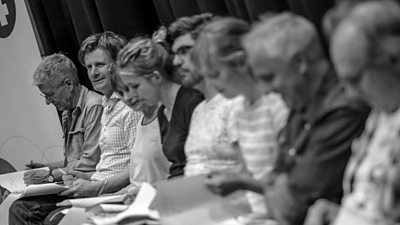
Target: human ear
156,76
69,82
300,64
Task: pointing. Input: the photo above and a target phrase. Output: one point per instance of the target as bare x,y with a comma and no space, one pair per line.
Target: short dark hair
187,24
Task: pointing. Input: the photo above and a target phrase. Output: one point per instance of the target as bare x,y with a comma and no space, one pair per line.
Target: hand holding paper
83,188
79,174
36,176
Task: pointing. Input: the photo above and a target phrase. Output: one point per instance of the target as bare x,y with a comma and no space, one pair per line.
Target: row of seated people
260,108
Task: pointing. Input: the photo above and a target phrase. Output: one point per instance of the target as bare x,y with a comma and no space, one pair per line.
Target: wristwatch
50,178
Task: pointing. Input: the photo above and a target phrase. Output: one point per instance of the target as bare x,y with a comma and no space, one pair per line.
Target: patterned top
117,137
258,126
211,144
372,158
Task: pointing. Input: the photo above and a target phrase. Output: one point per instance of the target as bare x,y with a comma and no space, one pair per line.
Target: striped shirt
117,137
257,128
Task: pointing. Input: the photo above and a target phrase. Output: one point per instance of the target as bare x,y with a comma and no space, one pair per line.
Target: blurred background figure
366,50
285,54
218,54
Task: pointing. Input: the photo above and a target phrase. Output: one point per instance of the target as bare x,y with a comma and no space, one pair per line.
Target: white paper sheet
89,202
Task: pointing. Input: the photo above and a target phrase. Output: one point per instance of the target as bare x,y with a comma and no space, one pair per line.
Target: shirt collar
109,103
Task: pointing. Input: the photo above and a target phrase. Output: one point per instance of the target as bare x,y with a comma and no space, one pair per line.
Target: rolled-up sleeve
90,152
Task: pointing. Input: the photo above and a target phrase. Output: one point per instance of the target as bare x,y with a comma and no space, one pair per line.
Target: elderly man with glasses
57,79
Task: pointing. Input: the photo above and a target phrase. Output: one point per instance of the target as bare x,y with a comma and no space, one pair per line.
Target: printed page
14,182
43,189
89,202
107,208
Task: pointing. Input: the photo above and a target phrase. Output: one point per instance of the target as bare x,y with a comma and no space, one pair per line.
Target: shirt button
292,152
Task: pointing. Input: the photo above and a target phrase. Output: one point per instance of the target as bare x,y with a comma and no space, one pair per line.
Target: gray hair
379,21
55,67
283,36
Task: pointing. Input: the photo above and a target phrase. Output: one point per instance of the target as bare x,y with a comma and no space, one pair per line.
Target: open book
139,211
14,182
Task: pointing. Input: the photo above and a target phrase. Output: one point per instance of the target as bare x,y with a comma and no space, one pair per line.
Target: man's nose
94,71
177,61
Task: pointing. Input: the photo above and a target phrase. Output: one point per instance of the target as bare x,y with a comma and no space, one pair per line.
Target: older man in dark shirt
284,52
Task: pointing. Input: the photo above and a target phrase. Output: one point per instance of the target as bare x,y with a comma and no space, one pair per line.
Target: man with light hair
286,55
57,79
366,53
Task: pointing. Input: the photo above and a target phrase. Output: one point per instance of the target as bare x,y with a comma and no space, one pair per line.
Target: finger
75,183
68,177
28,173
76,173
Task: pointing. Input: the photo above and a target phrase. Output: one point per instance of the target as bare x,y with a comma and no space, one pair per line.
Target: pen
62,171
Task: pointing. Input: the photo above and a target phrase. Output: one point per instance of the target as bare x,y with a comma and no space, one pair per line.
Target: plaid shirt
117,137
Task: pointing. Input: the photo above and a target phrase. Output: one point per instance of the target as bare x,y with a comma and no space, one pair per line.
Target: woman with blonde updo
145,67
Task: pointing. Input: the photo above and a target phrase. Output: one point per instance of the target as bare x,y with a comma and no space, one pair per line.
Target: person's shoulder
190,93
340,99
93,98
190,97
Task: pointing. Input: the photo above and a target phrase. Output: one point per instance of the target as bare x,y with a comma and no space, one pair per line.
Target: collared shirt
117,137
81,128
315,148
372,158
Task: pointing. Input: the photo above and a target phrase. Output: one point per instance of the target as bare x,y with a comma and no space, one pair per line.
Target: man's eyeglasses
183,50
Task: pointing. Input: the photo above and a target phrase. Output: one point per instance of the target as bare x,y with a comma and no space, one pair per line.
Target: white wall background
29,129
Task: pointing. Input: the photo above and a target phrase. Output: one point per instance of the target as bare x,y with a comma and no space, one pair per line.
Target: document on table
188,201
89,202
14,182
